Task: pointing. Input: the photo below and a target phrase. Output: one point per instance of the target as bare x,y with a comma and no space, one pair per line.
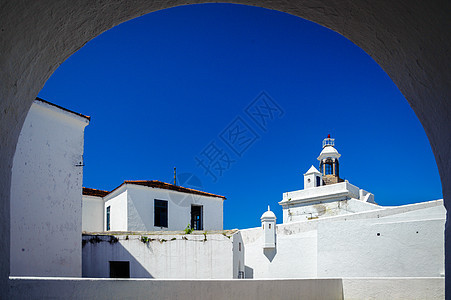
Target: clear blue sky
162,87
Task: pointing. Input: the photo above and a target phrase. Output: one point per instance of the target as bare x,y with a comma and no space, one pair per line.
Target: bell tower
328,162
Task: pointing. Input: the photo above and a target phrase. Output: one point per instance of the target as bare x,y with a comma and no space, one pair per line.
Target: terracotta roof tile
153,184
167,186
94,192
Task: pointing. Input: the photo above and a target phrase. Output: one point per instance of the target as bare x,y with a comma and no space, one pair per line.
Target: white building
325,193
164,254
93,210
151,205
46,186
332,228
136,231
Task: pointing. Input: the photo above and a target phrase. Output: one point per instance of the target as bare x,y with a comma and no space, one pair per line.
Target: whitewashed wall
92,214
46,194
381,248
295,255
118,203
348,245
139,211
326,200
327,208
193,256
238,254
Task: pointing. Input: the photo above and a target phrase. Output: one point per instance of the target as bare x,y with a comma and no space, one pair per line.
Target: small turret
269,229
328,162
312,178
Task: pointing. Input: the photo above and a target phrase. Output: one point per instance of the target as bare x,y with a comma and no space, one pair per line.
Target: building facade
46,201
325,193
164,254
332,228
151,205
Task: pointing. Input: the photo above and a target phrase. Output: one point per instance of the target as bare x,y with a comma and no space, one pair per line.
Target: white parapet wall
199,255
416,288
46,187
312,289
404,241
327,200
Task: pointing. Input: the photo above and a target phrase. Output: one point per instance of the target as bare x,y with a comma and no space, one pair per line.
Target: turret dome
329,151
268,215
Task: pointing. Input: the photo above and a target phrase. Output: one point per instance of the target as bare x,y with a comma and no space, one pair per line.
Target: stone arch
410,40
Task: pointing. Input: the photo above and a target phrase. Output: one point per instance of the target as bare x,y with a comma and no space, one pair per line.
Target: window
119,269
269,225
108,218
160,213
318,181
196,217
239,246
328,169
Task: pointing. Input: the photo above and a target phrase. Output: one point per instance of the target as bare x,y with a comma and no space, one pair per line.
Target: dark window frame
108,218
160,213
197,224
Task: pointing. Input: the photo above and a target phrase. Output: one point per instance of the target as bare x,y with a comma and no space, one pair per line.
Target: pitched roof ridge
162,184
63,108
94,192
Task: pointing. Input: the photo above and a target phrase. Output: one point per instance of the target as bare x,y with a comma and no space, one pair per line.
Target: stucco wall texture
404,241
47,179
171,255
410,40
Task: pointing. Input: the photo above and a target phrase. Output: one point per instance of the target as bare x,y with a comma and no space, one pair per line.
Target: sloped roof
167,186
312,170
62,108
153,184
94,192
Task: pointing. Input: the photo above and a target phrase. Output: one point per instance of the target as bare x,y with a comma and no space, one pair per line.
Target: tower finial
268,208
328,141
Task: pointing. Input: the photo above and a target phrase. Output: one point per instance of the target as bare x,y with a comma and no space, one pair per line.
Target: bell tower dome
328,162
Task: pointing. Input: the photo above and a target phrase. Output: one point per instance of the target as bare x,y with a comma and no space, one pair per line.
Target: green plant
188,229
95,240
113,240
144,239
205,236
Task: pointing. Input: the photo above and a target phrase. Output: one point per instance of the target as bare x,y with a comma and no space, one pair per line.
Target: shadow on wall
248,272
270,253
99,251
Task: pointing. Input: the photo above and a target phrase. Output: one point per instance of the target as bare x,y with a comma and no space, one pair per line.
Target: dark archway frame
410,40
